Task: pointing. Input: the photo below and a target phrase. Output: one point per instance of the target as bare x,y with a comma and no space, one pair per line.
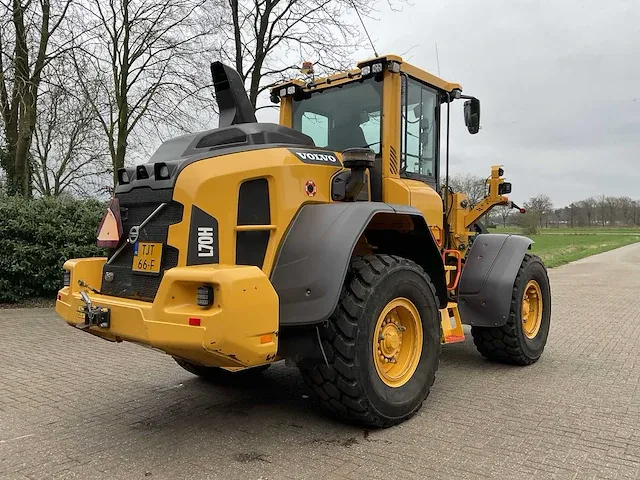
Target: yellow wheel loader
327,240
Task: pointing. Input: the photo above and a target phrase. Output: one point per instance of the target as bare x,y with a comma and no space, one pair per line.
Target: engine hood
181,151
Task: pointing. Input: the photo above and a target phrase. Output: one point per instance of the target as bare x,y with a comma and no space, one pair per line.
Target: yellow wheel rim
397,342
531,309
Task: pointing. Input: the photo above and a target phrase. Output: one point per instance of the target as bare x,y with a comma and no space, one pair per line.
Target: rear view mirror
472,115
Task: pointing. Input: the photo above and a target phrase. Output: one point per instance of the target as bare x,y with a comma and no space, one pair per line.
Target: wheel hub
531,309
397,342
391,340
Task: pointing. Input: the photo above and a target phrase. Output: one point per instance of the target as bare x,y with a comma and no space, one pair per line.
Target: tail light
205,296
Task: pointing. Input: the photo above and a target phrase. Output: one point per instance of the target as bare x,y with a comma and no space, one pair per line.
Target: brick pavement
74,406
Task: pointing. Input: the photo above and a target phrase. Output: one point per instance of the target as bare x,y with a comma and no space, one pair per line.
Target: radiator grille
135,206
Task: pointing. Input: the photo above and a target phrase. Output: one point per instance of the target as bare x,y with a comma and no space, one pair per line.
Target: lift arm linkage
493,199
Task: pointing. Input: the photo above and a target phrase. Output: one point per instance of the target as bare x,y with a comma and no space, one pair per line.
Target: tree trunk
123,98
118,160
19,112
22,175
9,165
237,38
260,53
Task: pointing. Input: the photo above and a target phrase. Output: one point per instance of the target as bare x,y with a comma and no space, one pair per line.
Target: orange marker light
307,68
268,338
110,228
194,322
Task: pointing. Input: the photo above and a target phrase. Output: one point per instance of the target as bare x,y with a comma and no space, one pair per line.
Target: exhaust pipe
233,102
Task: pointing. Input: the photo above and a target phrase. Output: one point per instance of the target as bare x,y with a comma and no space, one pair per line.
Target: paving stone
75,406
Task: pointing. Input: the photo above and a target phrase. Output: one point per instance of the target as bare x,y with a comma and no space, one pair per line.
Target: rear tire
520,342
220,375
383,297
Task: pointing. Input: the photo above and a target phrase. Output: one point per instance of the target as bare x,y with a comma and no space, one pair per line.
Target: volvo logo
134,233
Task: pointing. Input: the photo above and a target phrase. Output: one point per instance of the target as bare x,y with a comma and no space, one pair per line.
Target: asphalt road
74,406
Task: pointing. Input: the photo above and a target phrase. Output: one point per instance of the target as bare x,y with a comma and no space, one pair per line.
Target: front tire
382,343
522,339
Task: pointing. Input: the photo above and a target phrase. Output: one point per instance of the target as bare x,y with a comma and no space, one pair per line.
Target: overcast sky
559,84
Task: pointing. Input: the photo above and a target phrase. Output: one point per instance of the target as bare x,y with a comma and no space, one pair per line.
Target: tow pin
93,315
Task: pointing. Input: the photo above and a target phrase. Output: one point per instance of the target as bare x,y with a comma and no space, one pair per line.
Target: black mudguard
486,284
313,260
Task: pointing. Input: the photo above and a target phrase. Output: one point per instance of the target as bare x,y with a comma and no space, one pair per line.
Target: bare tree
266,38
602,209
625,208
540,205
589,207
572,210
142,57
26,31
473,186
505,212
612,209
635,212
66,154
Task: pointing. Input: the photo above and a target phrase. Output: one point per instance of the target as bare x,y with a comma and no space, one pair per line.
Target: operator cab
386,105
342,117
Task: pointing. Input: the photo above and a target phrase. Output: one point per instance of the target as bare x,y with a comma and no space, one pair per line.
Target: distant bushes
37,236
529,222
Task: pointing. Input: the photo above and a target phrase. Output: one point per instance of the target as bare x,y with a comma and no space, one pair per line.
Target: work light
205,296
141,172
123,176
161,171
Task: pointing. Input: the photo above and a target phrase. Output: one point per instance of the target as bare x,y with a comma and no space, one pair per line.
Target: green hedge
37,236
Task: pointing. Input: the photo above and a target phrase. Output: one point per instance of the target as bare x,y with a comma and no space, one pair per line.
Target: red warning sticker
310,188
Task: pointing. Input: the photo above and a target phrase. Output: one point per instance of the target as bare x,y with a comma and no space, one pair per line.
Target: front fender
486,283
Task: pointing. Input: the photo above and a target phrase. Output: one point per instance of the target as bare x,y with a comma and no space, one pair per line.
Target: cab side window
316,126
419,130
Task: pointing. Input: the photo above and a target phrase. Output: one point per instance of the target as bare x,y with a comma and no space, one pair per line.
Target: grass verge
558,249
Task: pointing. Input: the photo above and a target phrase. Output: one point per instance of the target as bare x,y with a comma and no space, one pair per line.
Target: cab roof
350,75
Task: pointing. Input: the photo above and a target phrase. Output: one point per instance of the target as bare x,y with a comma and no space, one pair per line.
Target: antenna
437,58
365,28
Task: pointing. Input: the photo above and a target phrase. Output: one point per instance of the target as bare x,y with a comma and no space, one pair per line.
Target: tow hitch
98,316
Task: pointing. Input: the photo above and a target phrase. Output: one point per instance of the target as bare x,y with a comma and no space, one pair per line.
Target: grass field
557,246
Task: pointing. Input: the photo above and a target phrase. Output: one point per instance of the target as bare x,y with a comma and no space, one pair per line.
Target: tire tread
501,344
339,340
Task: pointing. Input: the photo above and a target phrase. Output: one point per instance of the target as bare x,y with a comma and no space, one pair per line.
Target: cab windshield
343,116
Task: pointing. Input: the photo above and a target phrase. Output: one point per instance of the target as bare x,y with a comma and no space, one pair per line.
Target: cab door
419,155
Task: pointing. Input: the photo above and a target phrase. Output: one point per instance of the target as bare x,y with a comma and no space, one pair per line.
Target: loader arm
493,199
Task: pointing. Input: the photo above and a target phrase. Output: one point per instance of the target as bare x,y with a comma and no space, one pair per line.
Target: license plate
147,257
